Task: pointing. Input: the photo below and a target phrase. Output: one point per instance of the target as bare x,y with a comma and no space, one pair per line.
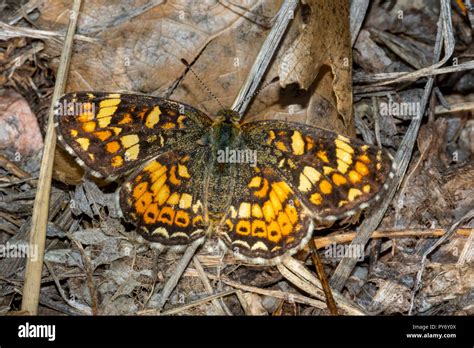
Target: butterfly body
258,185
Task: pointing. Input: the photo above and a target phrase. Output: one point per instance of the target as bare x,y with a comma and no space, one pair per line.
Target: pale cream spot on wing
105,112
244,210
297,143
353,194
153,117
183,171
305,184
129,140
84,142
186,201
257,211
312,174
105,121
132,153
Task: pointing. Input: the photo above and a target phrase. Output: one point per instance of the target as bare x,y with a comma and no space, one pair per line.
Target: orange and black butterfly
259,185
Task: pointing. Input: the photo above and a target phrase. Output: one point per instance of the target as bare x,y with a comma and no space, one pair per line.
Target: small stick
322,278
207,285
13,168
322,242
31,289
187,306
269,47
178,272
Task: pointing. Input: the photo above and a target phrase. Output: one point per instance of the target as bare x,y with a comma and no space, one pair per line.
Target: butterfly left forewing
111,133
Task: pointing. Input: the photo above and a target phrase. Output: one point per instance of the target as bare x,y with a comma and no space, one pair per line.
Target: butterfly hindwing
265,219
165,198
111,133
335,176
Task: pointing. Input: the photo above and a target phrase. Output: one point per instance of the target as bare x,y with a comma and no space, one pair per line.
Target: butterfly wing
111,133
265,220
165,198
333,175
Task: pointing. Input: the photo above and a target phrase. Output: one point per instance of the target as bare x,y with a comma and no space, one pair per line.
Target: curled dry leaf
323,40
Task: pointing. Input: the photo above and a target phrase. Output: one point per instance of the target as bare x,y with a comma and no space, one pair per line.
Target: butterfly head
228,116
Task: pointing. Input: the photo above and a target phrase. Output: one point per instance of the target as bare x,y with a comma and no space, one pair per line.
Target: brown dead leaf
323,40
140,49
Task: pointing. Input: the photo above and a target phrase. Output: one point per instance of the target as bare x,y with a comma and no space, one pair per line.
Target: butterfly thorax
224,139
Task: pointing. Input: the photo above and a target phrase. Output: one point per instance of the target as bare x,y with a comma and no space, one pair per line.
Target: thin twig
6,164
322,242
187,306
269,47
295,272
85,310
31,290
322,278
207,285
178,272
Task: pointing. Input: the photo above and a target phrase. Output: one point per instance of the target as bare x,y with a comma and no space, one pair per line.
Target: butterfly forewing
112,133
335,176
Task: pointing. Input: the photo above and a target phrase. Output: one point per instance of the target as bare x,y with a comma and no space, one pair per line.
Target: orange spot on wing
181,219
325,187
338,179
263,191
274,232
284,223
316,198
173,179
292,213
166,215
103,135
151,214
198,221
112,147
259,229
89,126
281,146
169,125
243,228
365,159
139,190
117,161
143,202
127,118
354,177
323,156
361,168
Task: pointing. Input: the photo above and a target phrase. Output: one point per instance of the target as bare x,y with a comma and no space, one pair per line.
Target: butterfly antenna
188,68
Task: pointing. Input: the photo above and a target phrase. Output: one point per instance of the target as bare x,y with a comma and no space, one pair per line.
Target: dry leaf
324,40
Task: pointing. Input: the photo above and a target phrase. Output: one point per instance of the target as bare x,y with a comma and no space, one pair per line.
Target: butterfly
258,185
